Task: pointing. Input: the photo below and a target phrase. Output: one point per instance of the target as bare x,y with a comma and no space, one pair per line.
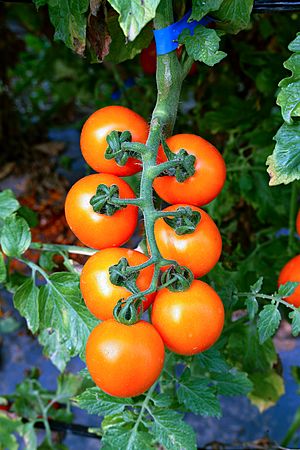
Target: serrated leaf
198,398
134,15
15,236
256,287
287,289
171,432
212,360
201,8
295,316
26,301
289,96
203,45
268,322
124,439
68,386
234,15
64,317
8,203
232,383
2,268
284,163
294,46
8,426
98,402
54,348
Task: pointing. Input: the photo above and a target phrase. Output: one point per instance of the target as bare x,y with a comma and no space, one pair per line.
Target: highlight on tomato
208,179
124,361
199,251
189,321
99,293
95,131
291,272
92,228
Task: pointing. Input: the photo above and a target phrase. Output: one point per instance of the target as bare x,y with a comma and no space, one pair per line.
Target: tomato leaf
134,15
2,268
234,15
171,432
268,388
252,306
203,45
27,431
268,322
212,360
232,383
8,426
124,439
26,301
68,385
15,236
287,289
98,402
64,318
8,203
201,8
295,316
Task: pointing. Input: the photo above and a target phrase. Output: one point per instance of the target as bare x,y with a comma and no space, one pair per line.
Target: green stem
40,246
292,217
268,297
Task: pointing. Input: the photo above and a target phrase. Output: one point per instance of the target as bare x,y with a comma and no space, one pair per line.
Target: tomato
199,251
94,229
100,295
208,179
190,321
95,131
298,223
291,272
124,361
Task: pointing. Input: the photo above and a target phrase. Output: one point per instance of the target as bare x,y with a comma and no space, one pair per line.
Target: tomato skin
124,361
208,179
98,230
291,272
99,294
298,223
199,251
97,127
190,321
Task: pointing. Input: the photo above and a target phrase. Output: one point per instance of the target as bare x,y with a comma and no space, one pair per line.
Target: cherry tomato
298,223
190,321
291,272
124,361
95,131
100,295
99,230
208,179
199,251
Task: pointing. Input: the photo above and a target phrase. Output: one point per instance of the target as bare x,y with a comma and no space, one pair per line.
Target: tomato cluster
125,360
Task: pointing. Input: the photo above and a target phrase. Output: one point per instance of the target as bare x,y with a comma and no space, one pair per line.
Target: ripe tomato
298,223
199,251
94,229
95,131
208,179
100,295
190,321
291,272
123,360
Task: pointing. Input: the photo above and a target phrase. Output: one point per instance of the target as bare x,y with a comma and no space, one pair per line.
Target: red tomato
95,131
298,223
99,230
199,251
124,361
190,321
100,295
208,179
291,272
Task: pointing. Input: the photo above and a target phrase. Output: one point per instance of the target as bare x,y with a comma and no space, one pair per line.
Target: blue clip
166,39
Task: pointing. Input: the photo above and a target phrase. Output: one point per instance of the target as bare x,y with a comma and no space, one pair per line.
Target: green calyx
120,275
116,150
177,278
184,163
128,312
103,201
185,220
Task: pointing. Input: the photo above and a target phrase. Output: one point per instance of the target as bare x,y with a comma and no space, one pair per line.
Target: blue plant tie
166,39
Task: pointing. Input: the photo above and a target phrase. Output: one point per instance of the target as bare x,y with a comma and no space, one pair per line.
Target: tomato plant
291,273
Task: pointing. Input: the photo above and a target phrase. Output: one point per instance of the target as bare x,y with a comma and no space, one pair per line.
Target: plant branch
274,298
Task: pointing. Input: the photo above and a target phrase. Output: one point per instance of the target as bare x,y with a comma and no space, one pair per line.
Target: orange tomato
95,131
190,321
208,179
100,295
124,361
291,272
199,251
99,230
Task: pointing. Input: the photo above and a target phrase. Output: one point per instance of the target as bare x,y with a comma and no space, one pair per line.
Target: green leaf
232,383
234,15
268,322
171,432
15,236
134,15
28,433
124,439
256,287
68,385
201,8
284,163
294,46
295,316
203,45
64,318
8,426
2,268
268,388
287,289
252,306
30,216
197,397
8,203
26,301
96,401
212,360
